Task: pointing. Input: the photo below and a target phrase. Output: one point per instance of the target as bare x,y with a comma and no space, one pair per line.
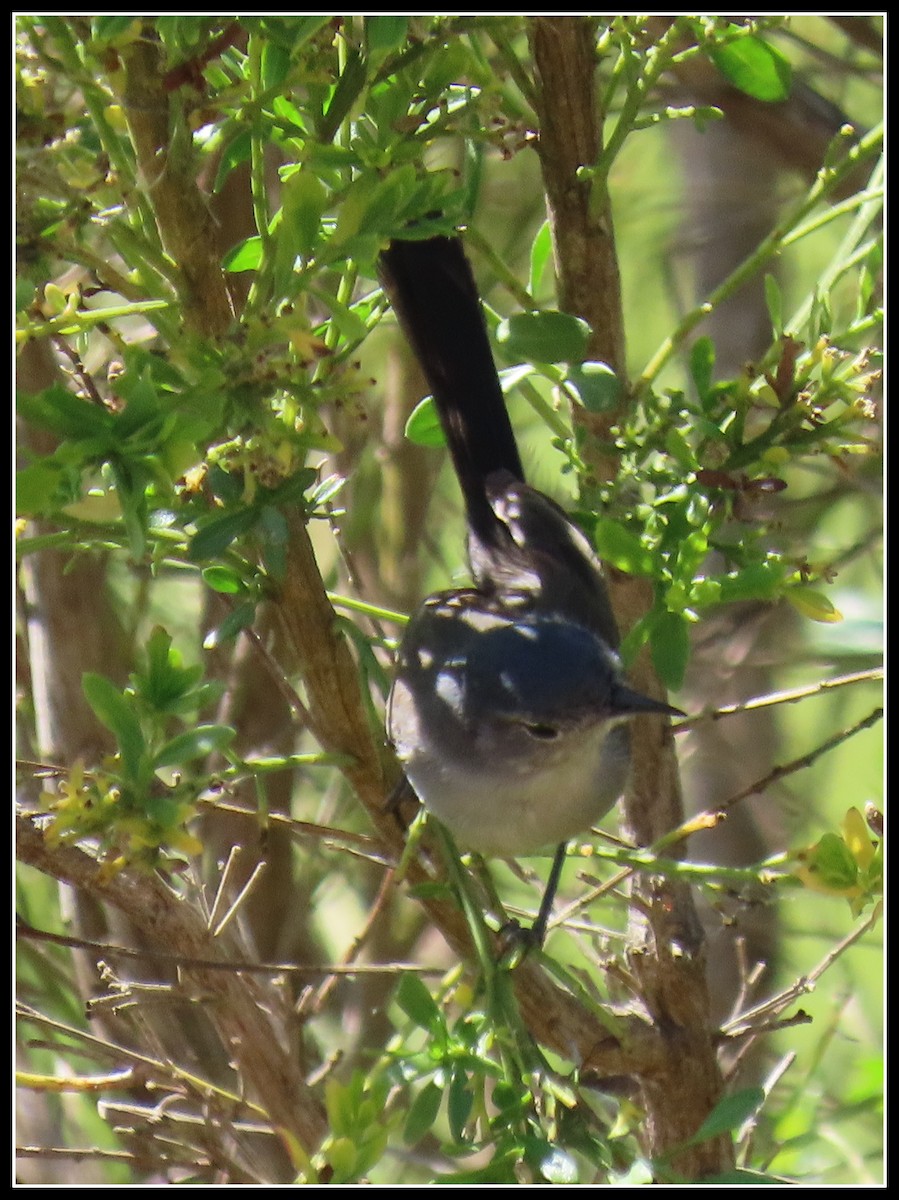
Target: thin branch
748,1021
796,764
789,696
168,172
827,183
105,950
139,1162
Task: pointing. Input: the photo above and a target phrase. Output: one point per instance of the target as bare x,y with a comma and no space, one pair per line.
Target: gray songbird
508,709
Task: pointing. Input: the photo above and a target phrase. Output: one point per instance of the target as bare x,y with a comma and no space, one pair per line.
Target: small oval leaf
753,66
423,426
545,337
670,644
621,548
814,605
245,257
422,1113
113,710
214,538
417,1003
193,744
597,386
224,580
730,1113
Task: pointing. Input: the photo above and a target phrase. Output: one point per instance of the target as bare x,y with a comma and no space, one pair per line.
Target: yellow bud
857,838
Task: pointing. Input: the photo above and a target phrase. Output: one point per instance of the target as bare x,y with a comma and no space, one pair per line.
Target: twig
346,966
111,950
796,764
773,698
244,894
747,1022
139,1162
827,182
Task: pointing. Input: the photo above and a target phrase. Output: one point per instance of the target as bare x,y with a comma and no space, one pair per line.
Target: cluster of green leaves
138,803
540,1129
457,1083
702,471
183,456
849,863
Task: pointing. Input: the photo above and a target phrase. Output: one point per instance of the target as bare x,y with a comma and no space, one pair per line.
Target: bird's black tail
432,290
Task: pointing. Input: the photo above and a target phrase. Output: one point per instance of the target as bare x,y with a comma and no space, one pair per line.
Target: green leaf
107,28
418,1004
133,501
831,863
160,661
226,486
344,96
460,1100
246,256
541,249
597,386
113,709
680,449
64,414
617,545
702,364
194,743
422,1113
814,605
237,151
224,580
423,426
383,35
275,64
757,581
164,684
342,1158
729,1114
273,531
215,536
303,201
545,337
753,66
239,618
670,643
142,413
36,488
372,207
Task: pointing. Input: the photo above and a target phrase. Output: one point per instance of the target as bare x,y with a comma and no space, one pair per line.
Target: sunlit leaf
754,66
546,337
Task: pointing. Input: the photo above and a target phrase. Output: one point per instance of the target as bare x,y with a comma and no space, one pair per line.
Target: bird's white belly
524,808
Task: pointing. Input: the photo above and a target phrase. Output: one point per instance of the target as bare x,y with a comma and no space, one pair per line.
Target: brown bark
167,172
683,1079
247,1013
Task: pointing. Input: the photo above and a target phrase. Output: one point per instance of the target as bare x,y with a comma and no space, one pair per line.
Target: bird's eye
544,733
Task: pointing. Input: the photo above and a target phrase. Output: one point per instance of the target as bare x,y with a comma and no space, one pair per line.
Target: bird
508,709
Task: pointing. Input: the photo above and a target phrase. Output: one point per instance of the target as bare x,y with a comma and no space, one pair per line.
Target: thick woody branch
239,1007
679,1079
168,172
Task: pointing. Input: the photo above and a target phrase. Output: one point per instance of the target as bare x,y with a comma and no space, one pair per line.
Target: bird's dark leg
515,939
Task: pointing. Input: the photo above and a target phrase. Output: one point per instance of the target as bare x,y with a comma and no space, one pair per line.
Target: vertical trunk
667,956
